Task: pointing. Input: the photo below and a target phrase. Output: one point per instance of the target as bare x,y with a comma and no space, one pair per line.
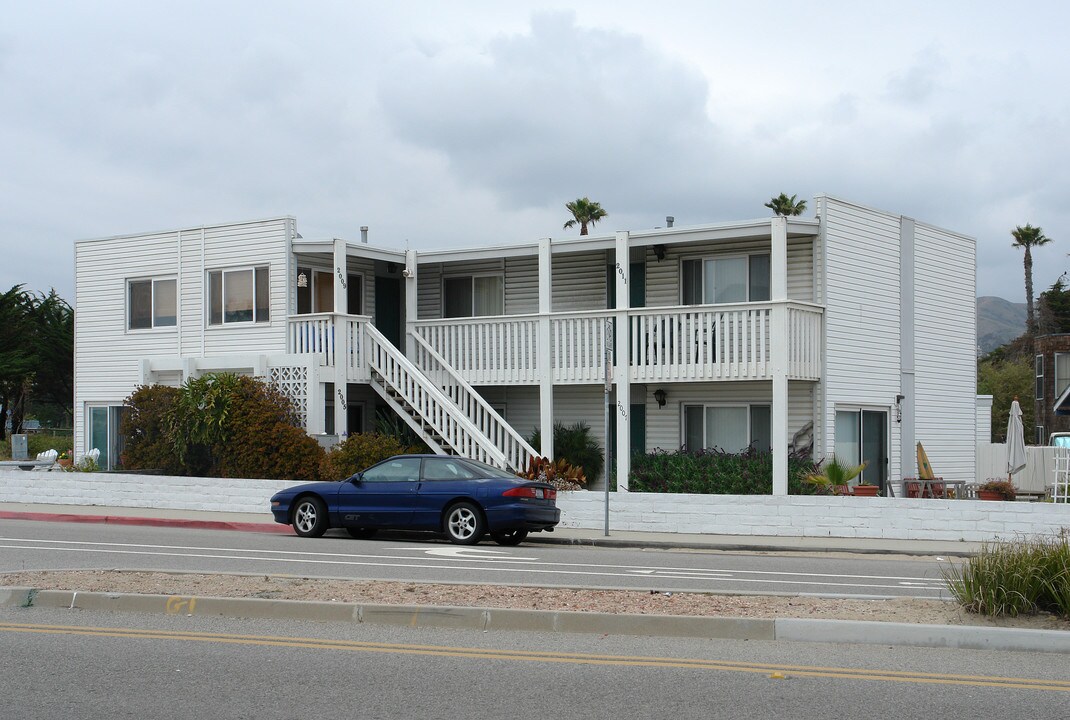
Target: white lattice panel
293,383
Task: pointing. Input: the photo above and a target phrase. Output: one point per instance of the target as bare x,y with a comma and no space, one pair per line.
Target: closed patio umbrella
1015,440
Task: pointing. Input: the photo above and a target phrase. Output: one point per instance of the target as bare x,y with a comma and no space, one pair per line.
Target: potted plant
64,458
834,475
993,489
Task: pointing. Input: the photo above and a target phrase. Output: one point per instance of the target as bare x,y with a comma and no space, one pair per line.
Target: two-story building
852,331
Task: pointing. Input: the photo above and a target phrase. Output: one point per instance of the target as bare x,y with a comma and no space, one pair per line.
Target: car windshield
485,470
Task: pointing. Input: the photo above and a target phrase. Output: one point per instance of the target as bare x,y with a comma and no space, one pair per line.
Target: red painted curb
151,521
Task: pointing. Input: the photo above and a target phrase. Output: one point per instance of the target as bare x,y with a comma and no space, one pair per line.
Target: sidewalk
262,522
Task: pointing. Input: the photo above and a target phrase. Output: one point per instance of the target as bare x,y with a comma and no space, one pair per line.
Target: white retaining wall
790,516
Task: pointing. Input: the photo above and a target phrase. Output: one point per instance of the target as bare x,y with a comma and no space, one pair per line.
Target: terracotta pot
866,490
64,462
989,495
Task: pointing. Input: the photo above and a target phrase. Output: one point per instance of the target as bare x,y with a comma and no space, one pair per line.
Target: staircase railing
516,449
434,410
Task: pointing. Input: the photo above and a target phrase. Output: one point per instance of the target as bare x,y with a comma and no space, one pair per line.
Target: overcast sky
467,123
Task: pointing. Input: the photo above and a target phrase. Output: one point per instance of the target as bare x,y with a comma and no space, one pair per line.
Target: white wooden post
545,356
411,307
778,338
622,366
341,361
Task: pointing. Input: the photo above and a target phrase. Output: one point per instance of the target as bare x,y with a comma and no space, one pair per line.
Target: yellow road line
548,657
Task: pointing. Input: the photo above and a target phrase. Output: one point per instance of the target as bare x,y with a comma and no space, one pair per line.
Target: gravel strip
904,610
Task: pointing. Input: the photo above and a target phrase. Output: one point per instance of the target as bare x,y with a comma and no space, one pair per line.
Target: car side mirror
354,478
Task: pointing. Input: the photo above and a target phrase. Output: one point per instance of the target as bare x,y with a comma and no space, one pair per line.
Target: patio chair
49,455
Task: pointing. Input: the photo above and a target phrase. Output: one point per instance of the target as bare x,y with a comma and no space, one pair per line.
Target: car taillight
536,493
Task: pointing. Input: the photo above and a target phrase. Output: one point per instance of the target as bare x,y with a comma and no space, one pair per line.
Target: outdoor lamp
660,396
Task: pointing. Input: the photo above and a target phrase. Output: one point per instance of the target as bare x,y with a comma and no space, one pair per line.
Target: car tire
464,524
509,537
310,517
361,533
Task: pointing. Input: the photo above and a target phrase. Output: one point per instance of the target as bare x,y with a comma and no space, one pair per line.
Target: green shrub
259,438
359,451
1022,577
575,445
713,472
145,425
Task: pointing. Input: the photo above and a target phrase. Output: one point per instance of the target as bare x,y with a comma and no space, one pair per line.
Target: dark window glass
694,433
759,278
140,305
215,293
354,295
761,428
263,295
447,469
457,297
164,304
304,293
691,281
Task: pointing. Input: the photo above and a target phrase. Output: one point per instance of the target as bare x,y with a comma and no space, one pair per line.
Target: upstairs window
238,296
473,296
151,304
725,280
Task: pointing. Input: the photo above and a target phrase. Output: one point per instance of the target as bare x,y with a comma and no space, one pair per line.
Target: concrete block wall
808,516
148,491
791,516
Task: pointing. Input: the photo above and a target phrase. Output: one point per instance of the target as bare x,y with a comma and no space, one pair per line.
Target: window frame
223,272
471,277
1039,370
312,283
748,406
152,281
704,258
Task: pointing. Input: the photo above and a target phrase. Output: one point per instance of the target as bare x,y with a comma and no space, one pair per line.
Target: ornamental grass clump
1021,577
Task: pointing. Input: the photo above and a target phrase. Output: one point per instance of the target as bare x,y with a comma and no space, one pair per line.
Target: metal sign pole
607,351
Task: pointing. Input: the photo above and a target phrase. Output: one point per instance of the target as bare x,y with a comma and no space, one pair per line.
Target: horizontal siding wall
664,426
862,321
579,281
107,355
945,343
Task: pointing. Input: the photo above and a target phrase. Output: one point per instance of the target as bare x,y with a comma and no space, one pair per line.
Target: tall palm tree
785,206
585,212
1029,237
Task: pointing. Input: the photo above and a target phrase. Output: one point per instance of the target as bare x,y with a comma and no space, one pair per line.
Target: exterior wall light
660,396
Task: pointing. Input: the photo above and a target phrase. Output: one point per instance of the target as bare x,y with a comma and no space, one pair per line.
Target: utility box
19,449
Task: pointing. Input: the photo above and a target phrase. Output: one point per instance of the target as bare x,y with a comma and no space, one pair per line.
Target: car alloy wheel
464,524
310,517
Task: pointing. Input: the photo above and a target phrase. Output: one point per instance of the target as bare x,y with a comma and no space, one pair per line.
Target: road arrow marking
468,553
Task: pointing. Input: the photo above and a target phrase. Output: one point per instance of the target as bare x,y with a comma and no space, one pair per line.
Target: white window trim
223,324
704,405
703,258
152,280
473,276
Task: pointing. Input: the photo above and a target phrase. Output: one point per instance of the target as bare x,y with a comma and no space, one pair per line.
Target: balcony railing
320,334
710,342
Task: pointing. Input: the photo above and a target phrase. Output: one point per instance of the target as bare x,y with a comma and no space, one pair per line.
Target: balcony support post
544,361
339,348
778,349
621,369
411,306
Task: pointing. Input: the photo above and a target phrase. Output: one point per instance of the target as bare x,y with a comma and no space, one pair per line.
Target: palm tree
1029,237
785,206
585,213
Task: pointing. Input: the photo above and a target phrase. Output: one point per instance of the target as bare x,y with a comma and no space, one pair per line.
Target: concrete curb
470,618
151,521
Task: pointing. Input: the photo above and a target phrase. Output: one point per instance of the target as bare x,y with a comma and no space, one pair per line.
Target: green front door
388,308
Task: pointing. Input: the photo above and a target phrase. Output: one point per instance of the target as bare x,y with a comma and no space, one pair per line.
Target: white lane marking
428,567
466,553
520,561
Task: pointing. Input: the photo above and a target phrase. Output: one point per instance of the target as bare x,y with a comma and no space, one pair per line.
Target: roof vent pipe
364,234
669,220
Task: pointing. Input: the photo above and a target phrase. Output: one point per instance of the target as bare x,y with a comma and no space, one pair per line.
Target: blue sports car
464,499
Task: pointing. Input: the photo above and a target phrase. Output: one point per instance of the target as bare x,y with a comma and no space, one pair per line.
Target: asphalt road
26,545
59,664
